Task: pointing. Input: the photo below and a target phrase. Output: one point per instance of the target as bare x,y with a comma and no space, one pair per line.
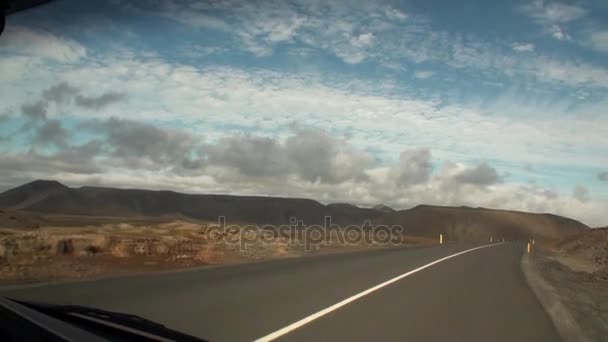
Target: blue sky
484,103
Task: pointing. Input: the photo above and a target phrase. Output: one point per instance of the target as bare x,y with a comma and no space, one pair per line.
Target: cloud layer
338,101
305,162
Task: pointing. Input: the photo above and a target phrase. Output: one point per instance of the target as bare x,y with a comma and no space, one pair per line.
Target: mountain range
46,197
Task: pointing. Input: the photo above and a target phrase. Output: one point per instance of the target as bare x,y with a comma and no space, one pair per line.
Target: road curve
480,295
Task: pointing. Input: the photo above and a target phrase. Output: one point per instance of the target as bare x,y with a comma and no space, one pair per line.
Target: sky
498,104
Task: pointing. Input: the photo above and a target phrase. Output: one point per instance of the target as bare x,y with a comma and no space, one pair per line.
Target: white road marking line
306,320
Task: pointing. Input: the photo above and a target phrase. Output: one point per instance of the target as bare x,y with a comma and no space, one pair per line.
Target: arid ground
44,248
570,277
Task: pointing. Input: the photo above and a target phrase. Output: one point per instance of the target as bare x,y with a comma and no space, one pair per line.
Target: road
480,295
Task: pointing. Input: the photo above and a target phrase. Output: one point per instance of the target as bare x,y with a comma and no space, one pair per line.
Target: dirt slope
589,246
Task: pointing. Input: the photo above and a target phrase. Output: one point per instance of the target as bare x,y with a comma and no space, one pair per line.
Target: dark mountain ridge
51,197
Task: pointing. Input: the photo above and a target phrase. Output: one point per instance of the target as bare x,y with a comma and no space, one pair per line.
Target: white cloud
27,41
268,101
386,35
365,39
203,51
554,16
259,27
523,47
198,19
581,193
569,73
553,12
599,40
423,74
542,68
558,33
395,14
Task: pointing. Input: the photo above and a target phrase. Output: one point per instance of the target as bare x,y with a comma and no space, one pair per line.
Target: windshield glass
139,137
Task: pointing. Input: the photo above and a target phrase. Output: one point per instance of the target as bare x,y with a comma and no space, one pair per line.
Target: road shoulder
568,301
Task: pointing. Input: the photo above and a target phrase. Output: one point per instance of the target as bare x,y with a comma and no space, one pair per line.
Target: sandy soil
61,253
571,279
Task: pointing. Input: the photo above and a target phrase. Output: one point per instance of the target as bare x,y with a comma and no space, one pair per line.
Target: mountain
50,197
480,223
27,195
55,198
384,208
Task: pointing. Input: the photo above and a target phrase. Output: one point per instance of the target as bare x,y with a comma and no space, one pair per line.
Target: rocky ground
571,279
62,253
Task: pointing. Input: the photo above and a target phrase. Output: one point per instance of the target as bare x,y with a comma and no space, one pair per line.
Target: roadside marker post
441,239
529,247
490,239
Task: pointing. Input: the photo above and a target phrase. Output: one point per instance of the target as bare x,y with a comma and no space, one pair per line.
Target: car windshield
308,169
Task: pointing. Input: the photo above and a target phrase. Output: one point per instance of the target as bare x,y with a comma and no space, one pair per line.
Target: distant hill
51,197
384,208
27,195
476,223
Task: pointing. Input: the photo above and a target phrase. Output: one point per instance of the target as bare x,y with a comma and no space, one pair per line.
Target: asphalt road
480,295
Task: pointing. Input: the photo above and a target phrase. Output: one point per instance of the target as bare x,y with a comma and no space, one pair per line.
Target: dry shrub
209,254
65,247
93,250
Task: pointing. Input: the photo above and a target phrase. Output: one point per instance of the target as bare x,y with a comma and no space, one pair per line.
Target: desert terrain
49,231
35,248
570,276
